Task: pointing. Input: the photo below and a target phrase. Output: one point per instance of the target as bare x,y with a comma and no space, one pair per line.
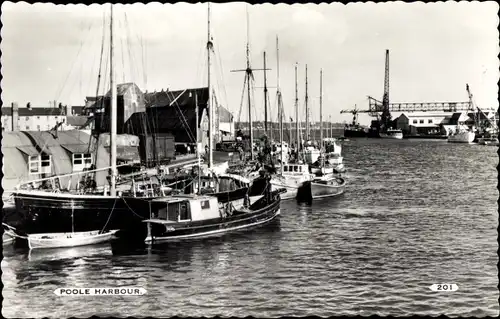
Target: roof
181,97
123,88
41,111
185,98
35,111
15,139
78,120
427,114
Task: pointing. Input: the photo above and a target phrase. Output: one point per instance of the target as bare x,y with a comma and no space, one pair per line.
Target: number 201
444,287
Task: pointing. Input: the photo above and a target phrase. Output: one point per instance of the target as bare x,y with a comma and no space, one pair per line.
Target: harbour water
415,213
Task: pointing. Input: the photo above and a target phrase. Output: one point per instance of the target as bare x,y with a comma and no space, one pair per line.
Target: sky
52,52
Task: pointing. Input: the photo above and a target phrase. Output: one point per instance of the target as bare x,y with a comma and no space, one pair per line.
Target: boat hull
42,212
260,213
488,141
291,184
355,133
62,240
462,137
394,135
321,189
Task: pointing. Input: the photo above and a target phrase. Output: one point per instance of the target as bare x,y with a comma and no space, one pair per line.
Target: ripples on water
415,213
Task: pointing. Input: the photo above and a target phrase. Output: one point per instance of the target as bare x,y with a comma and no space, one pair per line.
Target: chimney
15,117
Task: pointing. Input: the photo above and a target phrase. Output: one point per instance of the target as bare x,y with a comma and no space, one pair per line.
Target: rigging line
241,101
135,73
222,75
183,118
122,52
58,95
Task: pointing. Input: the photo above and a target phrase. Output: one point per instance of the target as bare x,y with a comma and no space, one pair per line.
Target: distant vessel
462,135
392,134
354,129
492,141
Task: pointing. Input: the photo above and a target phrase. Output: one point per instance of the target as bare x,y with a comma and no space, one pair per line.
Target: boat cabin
295,169
184,208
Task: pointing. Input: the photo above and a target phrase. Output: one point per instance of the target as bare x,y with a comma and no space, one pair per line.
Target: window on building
34,164
81,162
430,121
421,121
40,164
415,121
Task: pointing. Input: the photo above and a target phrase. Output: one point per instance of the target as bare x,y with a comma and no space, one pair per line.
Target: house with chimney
29,118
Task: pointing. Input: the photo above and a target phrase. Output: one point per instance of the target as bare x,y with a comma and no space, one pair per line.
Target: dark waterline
416,212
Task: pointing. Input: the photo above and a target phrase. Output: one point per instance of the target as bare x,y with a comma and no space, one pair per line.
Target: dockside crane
382,109
386,113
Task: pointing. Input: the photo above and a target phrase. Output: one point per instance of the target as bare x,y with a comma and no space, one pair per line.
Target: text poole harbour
126,291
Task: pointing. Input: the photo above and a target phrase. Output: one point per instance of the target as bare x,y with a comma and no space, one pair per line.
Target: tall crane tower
386,114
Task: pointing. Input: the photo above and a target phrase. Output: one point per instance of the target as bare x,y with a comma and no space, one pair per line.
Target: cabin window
430,121
295,169
421,121
184,212
39,164
205,204
285,168
81,162
300,169
415,121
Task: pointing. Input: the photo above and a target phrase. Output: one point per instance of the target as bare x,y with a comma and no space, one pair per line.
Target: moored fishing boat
396,134
327,186
183,217
292,177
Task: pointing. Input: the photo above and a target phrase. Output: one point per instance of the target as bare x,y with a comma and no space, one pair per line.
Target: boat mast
197,140
280,106
265,97
113,111
249,76
321,107
331,127
209,104
308,128
297,110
